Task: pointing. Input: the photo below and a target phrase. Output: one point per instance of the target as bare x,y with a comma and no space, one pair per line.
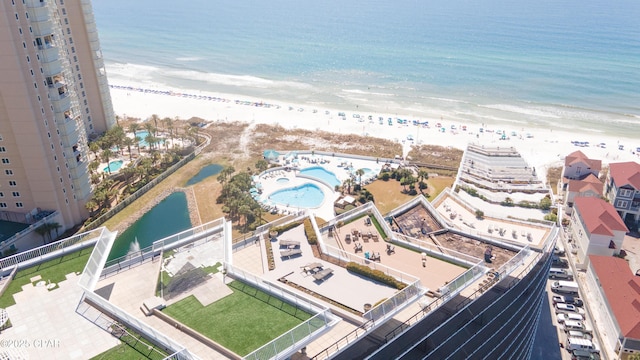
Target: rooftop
578,157
622,290
625,173
599,216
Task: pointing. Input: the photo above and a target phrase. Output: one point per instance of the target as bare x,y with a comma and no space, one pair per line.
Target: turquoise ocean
569,64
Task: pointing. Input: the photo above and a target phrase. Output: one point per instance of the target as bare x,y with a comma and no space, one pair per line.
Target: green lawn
53,270
243,321
132,347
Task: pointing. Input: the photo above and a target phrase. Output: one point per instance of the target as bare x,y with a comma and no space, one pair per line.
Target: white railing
286,344
346,256
390,307
207,228
88,282
437,251
25,231
52,250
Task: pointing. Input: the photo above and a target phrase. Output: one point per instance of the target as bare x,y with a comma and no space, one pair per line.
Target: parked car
558,250
558,262
584,334
561,274
566,299
568,309
562,317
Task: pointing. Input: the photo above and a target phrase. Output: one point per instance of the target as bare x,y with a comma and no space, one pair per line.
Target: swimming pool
304,196
114,166
143,138
322,174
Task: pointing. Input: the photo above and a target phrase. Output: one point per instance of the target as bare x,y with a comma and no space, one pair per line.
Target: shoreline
541,148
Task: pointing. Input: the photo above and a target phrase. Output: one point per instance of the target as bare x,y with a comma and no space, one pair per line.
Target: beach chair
357,247
322,274
374,237
347,238
290,253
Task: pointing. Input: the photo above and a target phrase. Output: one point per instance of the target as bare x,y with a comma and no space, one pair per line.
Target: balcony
79,170
60,103
33,4
53,67
42,27
70,136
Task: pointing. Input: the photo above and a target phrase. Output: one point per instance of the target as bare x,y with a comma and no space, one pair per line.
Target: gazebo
270,155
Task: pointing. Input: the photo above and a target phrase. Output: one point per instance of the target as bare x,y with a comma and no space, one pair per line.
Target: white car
562,317
568,308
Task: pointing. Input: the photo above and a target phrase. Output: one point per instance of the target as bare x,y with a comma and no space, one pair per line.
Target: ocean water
570,64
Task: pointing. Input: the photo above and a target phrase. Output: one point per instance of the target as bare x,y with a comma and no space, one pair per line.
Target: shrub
551,217
271,261
285,227
308,230
479,214
545,203
376,275
413,192
385,176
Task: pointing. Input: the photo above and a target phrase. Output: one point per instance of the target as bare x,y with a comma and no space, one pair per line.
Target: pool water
143,136
304,196
113,166
322,174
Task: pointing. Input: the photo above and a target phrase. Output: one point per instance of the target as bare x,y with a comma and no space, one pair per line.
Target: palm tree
155,118
360,172
128,142
150,130
348,183
94,147
42,230
133,128
262,165
106,155
54,226
91,205
422,175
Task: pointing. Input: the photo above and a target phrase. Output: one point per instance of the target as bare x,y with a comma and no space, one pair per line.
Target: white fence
50,251
285,345
88,281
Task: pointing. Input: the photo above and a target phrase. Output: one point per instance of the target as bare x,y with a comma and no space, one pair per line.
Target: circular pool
304,196
282,180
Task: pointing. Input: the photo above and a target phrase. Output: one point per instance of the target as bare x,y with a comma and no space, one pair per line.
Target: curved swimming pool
113,166
304,196
320,173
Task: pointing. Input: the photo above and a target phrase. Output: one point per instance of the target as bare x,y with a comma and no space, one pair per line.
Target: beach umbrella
270,154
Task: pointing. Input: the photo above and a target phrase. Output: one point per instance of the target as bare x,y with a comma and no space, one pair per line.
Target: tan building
53,96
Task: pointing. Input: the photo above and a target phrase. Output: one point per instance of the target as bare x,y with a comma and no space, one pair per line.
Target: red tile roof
591,182
622,290
626,173
579,156
599,216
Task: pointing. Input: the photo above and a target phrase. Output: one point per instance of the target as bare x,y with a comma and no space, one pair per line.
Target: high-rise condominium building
53,96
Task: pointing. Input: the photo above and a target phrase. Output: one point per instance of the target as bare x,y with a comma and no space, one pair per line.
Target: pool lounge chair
357,247
290,253
322,274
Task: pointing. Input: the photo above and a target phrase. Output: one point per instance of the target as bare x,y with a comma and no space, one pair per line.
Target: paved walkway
46,325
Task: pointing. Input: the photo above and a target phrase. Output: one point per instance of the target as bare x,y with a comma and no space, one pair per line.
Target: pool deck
271,180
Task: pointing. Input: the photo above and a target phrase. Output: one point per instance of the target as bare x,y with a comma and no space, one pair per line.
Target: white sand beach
540,147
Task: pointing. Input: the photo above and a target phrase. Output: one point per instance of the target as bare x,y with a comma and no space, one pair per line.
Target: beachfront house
590,186
623,191
578,166
596,229
616,291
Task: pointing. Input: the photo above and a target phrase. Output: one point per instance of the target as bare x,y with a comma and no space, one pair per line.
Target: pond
170,216
205,172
